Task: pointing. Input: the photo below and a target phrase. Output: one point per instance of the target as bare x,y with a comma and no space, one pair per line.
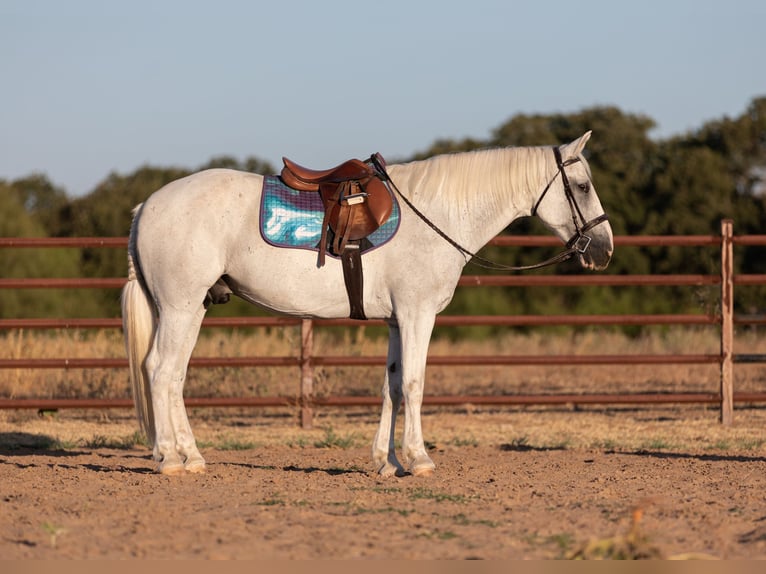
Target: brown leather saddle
356,203
356,200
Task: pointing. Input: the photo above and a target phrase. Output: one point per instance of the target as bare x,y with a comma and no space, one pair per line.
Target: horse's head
569,206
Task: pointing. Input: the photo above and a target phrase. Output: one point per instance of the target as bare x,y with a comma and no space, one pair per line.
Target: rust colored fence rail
307,360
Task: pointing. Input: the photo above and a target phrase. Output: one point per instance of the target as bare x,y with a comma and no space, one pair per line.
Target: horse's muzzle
599,251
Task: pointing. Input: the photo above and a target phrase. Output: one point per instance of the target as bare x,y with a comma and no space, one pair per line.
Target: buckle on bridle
580,243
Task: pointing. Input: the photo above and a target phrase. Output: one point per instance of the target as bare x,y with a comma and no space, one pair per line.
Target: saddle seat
355,198
306,179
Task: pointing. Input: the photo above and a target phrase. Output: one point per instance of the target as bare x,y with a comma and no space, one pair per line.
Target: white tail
139,324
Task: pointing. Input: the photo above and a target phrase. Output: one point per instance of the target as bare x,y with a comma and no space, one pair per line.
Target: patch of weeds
719,445
333,440
563,444
387,489
736,511
428,494
606,444
377,489
531,539
138,439
235,444
273,501
438,534
465,441
98,441
358,510
446,535
462,520
562,541
53,531
299,442
122,443
656,444
750,443
635,545
518,443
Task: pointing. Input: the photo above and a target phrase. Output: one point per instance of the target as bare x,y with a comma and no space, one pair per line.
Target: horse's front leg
383,448
415,337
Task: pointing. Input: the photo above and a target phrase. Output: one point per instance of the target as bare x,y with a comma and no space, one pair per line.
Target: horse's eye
584,187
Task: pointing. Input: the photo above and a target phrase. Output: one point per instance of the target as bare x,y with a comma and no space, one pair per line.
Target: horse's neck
473,196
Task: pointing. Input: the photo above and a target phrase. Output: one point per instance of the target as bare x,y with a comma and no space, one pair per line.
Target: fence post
727,322
307,374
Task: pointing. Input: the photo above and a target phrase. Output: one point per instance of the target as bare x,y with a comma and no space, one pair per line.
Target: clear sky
95,86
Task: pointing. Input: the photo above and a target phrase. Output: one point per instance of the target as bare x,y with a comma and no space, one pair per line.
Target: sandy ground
516,483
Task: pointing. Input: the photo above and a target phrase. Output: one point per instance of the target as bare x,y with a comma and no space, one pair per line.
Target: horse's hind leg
175,447
407,350
383,449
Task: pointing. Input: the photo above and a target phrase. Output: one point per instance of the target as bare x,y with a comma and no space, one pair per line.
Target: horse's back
209,202
205,192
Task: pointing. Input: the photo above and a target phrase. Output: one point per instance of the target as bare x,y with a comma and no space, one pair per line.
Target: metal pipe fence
307,360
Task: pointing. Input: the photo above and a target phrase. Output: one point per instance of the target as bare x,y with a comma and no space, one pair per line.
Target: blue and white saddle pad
292,218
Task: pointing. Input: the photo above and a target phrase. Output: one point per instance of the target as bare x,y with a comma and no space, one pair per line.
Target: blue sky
95,86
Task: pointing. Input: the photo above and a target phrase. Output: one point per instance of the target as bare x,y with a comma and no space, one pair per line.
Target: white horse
198,229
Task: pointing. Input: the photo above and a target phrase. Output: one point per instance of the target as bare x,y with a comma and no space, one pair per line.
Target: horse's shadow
707,457
331,471
523,447
21,443
15,446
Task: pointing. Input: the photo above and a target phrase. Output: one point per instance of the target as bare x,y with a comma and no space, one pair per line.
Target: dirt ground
655,482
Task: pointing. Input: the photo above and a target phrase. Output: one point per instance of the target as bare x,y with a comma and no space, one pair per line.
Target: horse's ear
574,149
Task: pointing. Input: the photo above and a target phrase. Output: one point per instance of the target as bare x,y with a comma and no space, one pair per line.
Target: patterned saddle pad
291,218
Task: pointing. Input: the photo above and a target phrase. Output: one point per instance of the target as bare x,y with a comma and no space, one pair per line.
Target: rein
578,243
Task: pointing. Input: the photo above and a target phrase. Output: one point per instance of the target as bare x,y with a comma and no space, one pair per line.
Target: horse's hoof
424,471
196,468
172,470
388,470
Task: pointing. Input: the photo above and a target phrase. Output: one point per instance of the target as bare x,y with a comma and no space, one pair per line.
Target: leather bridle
578,243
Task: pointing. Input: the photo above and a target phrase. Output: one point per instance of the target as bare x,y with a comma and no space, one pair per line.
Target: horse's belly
288,281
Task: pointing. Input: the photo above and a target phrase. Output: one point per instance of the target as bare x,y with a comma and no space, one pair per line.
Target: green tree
42,201
16,220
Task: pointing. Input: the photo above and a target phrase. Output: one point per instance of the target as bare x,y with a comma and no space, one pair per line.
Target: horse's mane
485,179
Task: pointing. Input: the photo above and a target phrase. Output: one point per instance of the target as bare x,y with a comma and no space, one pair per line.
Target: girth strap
351,258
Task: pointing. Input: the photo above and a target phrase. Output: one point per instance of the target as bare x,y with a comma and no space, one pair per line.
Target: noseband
579,242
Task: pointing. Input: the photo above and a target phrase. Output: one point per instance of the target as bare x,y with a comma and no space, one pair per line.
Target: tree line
681,185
